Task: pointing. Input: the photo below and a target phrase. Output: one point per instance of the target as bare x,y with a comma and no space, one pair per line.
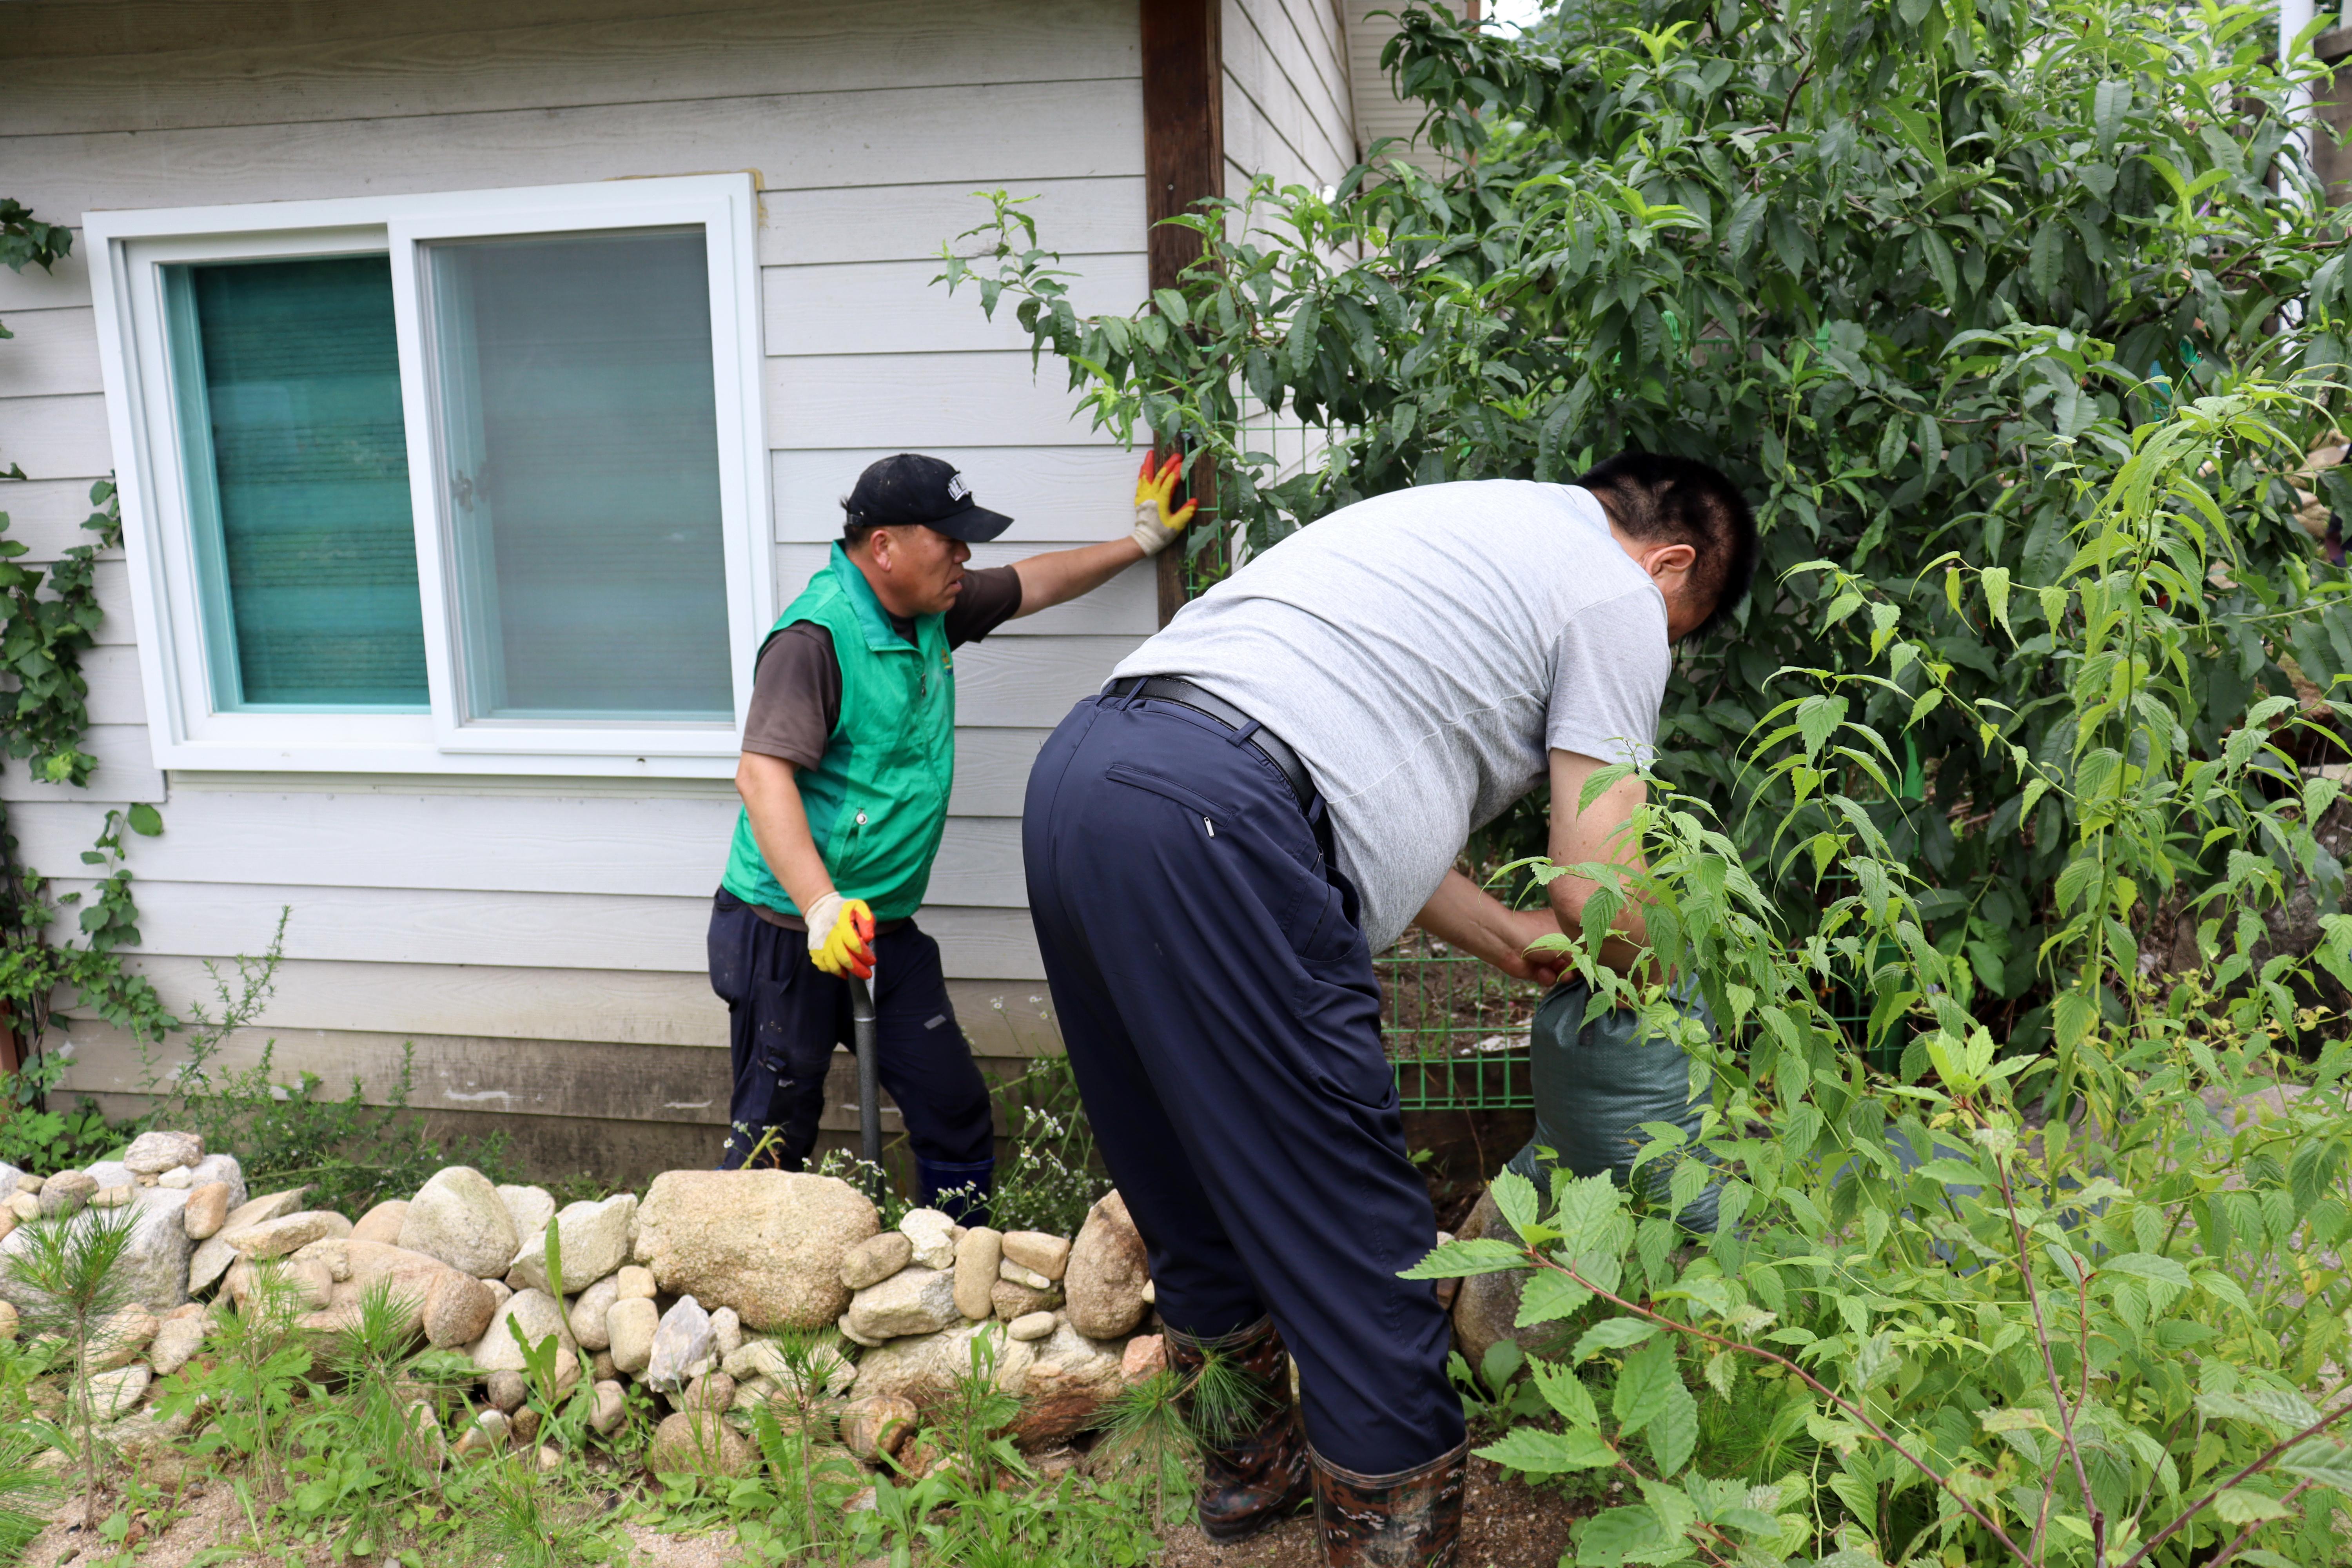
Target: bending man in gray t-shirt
1266,794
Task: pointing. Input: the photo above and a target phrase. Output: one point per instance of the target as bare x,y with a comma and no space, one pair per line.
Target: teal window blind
287,375
580,436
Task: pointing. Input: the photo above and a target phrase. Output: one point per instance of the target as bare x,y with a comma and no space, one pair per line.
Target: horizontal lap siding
1289,113
508,925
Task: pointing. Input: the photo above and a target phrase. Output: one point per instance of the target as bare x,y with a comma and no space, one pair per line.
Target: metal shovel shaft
869,1074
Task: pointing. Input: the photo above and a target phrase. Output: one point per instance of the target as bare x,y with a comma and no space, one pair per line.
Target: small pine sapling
69,1268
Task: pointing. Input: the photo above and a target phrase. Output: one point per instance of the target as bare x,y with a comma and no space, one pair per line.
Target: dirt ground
209,1517
1504,1525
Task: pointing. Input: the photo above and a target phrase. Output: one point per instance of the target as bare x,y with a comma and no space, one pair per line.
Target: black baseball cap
911,489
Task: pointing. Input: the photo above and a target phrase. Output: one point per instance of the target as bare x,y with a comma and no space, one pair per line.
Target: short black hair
1660,498
853,530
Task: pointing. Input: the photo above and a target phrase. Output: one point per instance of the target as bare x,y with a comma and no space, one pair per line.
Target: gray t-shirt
1423,652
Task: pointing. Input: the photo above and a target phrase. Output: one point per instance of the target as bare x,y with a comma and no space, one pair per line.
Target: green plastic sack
1596,1083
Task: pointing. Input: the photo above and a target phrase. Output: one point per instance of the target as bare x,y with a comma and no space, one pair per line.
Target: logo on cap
957,489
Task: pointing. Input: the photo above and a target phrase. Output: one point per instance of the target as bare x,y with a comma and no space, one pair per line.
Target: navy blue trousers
785,1016
1216,996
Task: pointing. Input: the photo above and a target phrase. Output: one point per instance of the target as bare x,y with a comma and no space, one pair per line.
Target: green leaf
2110,101
1951,1171
144,820
1622,1535
1461,1259
2148,1266
1613,1334
2328,1464
1640,1397
1675,1433
1996,587
2243,1505
2273,1410
1549,1296
1541,1453
1516,1196
1565,1392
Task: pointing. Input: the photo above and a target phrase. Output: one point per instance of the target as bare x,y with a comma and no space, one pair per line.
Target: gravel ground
1504,1525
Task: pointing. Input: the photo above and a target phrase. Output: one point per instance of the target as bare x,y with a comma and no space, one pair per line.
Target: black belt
1269,745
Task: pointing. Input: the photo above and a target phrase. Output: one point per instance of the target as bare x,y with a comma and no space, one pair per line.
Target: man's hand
841,936
1465,916
1156,527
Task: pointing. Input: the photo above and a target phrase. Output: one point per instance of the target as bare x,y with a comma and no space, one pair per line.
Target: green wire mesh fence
1454,1028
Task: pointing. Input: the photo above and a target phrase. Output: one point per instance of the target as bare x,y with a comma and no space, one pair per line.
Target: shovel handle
869,1074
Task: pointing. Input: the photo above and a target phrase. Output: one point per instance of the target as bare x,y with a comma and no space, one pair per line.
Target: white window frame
131,250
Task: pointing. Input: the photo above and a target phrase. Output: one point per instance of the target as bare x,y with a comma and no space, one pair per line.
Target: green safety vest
877,802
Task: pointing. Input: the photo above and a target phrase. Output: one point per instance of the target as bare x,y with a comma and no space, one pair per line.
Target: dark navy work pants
1217,1000
785,1016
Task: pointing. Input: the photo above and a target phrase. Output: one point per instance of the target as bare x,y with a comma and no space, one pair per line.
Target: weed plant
350,1153
246,1391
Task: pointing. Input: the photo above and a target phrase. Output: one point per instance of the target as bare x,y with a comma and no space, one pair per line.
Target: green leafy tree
1913,273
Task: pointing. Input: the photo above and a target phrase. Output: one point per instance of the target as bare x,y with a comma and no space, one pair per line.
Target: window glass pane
288,377
581,439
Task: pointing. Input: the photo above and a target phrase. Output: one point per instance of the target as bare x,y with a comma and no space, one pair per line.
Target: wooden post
1184,162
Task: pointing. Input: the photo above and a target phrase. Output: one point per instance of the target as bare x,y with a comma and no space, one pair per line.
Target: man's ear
1669,560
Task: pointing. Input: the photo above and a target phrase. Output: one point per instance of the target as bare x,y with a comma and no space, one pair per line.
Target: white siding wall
534,939
1379,111
1290,110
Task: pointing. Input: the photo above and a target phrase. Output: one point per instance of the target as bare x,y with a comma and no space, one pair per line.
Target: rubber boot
969,1182
1256,1475
1409,1519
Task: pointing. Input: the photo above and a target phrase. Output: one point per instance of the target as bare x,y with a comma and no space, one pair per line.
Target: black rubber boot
1255,1474
1411,1519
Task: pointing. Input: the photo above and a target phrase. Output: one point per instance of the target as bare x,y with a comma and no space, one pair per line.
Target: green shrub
1967,1333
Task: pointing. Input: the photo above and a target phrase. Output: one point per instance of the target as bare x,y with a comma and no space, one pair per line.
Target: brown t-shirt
796,691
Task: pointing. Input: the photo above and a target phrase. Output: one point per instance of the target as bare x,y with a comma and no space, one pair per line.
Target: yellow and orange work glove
841,936
1156,527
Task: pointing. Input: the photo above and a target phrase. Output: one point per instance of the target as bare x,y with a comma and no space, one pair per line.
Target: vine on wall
48,617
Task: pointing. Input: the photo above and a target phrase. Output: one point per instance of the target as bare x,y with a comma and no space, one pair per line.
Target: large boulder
153,1268
915,1300
770,1244
448,1307
1107,1273
928,1368
458,1217
382,1222
593,1240
1064,1388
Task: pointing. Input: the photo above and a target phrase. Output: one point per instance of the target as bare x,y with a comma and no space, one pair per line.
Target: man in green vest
848,757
